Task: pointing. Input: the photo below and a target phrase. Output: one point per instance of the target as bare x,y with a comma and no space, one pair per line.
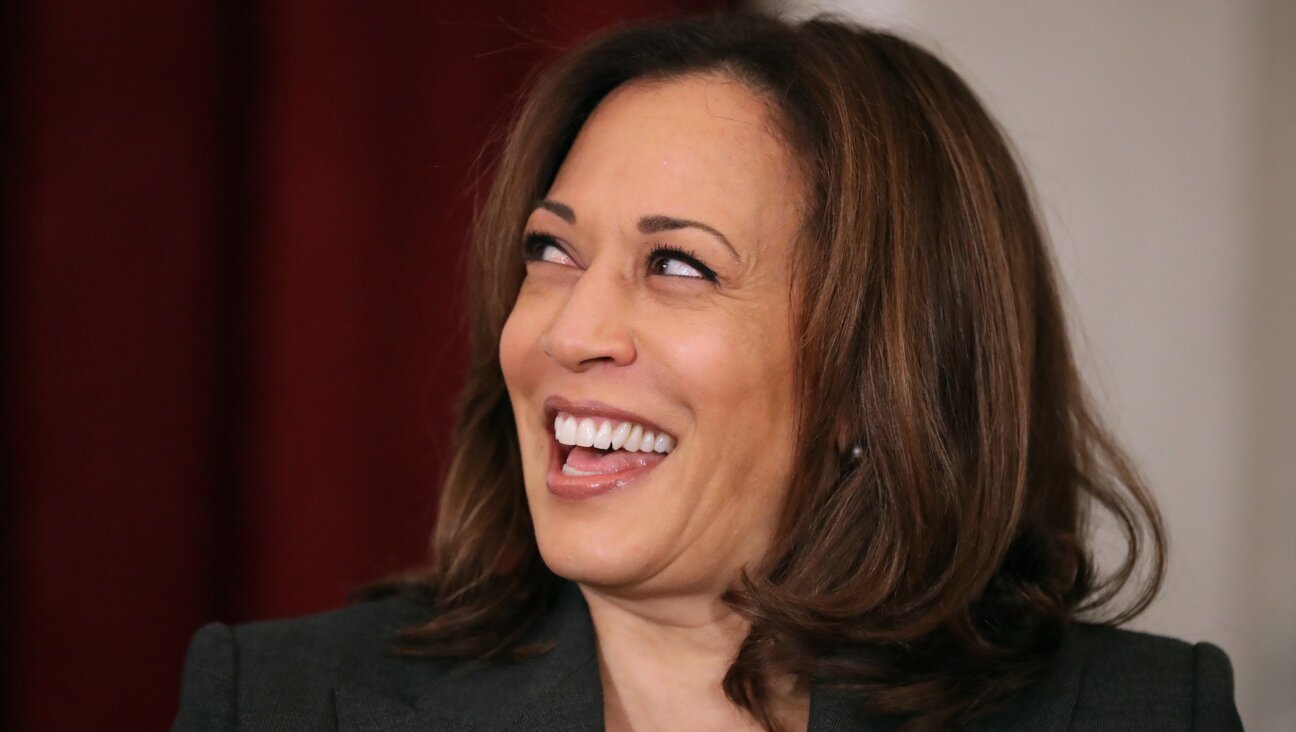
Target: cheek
520,346
511,351
735,372
736,375
521,362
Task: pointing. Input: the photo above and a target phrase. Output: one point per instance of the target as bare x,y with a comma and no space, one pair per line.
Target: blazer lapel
1046,705
559,689
1049,704
361,709
832,710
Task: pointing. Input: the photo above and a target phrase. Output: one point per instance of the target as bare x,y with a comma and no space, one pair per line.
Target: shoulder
283,671
338,638
1121,679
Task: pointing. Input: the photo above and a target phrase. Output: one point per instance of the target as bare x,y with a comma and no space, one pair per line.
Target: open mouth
592,455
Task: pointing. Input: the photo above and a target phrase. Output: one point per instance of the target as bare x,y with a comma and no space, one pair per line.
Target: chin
592,568
598,546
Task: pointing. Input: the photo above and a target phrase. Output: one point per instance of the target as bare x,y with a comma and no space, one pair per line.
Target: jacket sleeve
209,689
1213,705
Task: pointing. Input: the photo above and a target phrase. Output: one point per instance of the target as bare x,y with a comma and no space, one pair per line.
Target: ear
846,441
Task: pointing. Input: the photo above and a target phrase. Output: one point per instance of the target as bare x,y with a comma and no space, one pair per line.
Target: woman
771,423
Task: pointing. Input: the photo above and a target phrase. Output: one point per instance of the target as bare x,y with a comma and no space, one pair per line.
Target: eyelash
661,251
533,243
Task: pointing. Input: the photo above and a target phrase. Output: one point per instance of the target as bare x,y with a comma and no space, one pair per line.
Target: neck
663,660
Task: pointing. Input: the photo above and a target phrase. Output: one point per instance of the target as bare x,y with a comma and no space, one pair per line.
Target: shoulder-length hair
935,568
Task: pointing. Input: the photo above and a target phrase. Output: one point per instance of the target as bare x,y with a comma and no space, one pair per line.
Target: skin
710,362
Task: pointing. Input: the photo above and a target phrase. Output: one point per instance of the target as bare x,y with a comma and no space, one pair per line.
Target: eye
672,262
538,246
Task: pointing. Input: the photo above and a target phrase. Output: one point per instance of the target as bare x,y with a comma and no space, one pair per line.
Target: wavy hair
934,569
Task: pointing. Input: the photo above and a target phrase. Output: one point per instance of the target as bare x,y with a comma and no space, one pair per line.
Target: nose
593,326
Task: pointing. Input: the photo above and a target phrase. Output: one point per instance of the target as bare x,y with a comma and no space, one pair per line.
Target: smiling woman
771,422
629,318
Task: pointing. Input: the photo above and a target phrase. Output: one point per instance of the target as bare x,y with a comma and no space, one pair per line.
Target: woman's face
657,299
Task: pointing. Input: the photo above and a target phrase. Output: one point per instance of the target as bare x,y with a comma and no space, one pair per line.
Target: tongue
590,460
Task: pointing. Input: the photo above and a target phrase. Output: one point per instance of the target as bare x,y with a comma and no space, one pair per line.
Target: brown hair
936,568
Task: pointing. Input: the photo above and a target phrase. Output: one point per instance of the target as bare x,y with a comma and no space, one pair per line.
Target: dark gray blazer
334,672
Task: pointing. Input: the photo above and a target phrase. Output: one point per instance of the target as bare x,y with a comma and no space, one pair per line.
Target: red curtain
233,238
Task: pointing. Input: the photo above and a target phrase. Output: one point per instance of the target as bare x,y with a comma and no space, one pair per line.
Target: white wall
1159,136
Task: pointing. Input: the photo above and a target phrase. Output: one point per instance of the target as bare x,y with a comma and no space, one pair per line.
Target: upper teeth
605,434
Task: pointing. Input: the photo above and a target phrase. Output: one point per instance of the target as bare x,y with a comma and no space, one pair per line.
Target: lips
584,468
603,479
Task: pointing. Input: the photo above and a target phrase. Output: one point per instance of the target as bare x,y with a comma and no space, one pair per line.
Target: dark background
233,239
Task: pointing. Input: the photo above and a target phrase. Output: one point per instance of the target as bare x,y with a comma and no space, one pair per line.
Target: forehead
704,147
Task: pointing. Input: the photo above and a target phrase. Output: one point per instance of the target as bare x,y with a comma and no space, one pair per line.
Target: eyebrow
659,223
653,224
561,210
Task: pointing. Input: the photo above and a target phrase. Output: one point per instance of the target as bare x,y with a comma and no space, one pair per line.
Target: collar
561,690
